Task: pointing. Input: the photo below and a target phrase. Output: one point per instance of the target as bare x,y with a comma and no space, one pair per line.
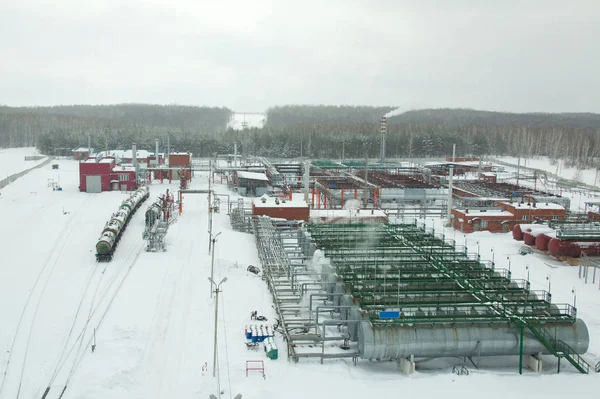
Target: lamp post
508,258
574,291
493,259
217,290
478,256
213,239
527,267
549,282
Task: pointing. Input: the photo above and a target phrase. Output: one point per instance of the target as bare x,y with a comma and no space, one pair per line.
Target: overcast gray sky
248,55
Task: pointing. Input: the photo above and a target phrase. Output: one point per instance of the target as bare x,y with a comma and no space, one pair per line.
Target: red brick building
532,211
280,208
505,216
82,153
495,220
95,177
181,160
122,178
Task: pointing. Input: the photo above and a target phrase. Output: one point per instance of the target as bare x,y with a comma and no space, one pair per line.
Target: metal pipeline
310,297
329,309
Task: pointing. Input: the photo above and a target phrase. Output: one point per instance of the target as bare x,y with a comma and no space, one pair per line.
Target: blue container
389,315
248,334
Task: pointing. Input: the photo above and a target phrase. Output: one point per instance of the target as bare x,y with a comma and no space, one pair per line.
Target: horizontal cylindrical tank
517,232
105,243
573,249
541,242
528,238
396,341
129,204
591,248
114,226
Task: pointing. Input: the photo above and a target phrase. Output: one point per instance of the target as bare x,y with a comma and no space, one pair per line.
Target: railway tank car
115,227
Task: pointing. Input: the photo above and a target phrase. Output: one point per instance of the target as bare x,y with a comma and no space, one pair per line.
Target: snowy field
587,176
153,316
251,120
12,160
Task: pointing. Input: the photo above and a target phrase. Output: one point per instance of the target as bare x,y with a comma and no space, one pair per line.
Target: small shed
251,183
82,153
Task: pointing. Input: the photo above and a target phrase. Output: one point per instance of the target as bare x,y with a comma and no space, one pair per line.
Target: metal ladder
559,348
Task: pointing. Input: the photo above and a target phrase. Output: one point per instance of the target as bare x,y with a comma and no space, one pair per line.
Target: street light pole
213,239
574,291
217,290
549,283
508,258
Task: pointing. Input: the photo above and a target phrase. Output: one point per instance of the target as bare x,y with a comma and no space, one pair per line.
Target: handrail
598,367
560,348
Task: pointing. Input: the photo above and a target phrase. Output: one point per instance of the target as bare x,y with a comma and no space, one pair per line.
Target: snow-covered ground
12,160
557,167
153,314
249,119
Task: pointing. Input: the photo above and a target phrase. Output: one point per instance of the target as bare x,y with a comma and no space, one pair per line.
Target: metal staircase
559,348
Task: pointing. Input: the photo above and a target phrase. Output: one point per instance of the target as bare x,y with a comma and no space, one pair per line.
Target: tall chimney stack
156,151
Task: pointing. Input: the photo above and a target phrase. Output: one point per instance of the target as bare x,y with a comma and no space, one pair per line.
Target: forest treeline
301,130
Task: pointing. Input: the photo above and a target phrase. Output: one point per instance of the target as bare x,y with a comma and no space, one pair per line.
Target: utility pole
450,189
209,205
366,193
212,261
217,290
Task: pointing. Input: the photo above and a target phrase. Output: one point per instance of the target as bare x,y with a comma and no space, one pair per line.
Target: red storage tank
557,247
541,242
528,238
517,233
591,248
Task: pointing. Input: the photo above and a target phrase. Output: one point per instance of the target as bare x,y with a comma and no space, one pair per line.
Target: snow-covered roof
487,212
141,154
538,205
271,203
347,213
252,176
103,160
82,149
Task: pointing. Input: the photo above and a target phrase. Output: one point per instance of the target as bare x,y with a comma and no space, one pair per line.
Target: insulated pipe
397,341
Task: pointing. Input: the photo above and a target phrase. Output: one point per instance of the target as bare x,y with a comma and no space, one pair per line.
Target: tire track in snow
57,250
165,346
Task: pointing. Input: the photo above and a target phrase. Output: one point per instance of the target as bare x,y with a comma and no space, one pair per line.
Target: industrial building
104,175
82,153
281,208
95,176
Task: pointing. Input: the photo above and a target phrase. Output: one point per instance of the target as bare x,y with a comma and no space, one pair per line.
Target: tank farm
384,291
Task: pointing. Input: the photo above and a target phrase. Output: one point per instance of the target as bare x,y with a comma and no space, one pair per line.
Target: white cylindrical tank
397,341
